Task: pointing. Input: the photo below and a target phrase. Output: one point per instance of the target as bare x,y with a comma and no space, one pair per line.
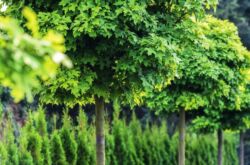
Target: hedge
127,143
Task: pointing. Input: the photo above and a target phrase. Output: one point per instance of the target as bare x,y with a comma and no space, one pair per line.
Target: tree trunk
100,136
220,147
182,137
241,148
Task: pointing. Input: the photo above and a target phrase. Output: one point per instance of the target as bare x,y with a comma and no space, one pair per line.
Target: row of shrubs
126,144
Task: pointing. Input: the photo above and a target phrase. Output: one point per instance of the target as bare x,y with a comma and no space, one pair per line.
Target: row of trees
168,55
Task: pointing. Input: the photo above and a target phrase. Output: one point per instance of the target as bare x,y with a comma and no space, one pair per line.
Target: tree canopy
211,70
118,48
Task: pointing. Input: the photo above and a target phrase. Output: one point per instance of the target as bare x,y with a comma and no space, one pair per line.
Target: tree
211,63
68,142
26,59
115,47
57,152
119,48
236,120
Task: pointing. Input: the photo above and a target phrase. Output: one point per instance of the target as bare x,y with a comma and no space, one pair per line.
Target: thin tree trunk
241,148
182,137
220,147
100,138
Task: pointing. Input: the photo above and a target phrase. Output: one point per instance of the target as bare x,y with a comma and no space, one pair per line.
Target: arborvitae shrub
3,154
85,141
68,140
40,122
131,153
13,158
149,155
155,142
46,154
110,147
10,145
57,152
34,145
230,153
24,154
126,144
170,146
41,128
204,149
161,135
111,158
30,139
26,158
137,135
86,149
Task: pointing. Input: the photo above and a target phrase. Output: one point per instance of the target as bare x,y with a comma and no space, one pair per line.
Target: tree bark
100,136
220,147
181,160
241,148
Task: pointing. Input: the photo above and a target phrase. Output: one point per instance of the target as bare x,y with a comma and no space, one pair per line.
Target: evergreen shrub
127,143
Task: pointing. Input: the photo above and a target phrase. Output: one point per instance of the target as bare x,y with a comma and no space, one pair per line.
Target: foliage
57,152
169,52
236,119
213,69
230,154
205,152
127,143
46,151
26,158
26,59
34,145
3,154
10,145
118,47
68,141
85,136
237,11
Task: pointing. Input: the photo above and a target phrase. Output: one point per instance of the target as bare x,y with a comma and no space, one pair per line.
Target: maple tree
212,69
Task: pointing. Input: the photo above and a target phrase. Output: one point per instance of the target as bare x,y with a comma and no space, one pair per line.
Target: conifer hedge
126,144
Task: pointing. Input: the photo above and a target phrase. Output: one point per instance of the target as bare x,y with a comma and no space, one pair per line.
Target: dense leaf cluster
212,69
118,47
27,59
